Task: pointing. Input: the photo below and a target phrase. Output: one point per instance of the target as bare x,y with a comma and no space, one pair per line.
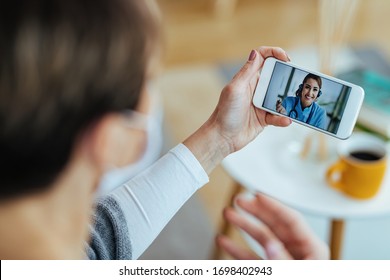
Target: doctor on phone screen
303,106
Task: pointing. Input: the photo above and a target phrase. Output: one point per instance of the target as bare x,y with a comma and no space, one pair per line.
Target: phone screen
306,97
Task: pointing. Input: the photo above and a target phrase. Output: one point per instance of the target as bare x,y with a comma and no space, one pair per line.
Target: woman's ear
110,143
102,141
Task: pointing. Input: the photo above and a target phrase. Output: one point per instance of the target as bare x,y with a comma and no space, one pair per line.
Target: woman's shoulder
319,108
290,99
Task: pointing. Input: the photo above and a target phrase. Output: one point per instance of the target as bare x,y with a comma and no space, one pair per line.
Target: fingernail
288,57
238,200
273,249
252,55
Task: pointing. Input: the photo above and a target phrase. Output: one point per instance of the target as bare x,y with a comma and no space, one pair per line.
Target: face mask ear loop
152,124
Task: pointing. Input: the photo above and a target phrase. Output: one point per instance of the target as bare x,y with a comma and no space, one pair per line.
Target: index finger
276,52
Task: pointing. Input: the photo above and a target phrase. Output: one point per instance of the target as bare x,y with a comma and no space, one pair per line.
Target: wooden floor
195,35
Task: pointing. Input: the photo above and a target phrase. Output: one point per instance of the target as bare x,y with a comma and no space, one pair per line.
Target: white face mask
154,142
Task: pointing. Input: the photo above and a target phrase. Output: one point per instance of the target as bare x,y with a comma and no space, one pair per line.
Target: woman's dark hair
64,64
314,77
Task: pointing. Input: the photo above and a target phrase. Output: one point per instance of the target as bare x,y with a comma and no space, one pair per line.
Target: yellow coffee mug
361,167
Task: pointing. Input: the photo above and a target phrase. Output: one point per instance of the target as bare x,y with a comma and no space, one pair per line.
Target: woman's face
309,92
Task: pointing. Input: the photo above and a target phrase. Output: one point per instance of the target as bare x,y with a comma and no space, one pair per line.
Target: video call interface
306,97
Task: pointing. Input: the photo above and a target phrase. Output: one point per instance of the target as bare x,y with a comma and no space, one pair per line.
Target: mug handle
337,167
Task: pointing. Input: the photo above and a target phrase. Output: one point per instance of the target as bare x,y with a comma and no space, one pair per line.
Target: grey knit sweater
109,238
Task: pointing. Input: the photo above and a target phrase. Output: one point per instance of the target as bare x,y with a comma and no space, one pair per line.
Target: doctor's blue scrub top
313,115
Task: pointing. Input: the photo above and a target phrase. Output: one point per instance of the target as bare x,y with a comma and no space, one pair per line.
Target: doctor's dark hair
63,65
310,76
314,77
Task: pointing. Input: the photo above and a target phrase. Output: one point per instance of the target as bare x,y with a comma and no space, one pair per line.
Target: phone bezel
351,110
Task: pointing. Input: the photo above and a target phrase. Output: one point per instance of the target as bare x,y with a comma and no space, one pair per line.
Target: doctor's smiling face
310,90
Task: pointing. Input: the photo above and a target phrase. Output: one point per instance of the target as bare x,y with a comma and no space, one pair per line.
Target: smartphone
313,99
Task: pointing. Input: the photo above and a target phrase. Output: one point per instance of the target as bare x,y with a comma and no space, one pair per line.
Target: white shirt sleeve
152,198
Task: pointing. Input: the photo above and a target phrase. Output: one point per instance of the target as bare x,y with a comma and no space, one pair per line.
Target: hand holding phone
310,98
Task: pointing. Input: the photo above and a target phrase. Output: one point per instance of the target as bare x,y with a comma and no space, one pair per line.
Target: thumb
249,69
